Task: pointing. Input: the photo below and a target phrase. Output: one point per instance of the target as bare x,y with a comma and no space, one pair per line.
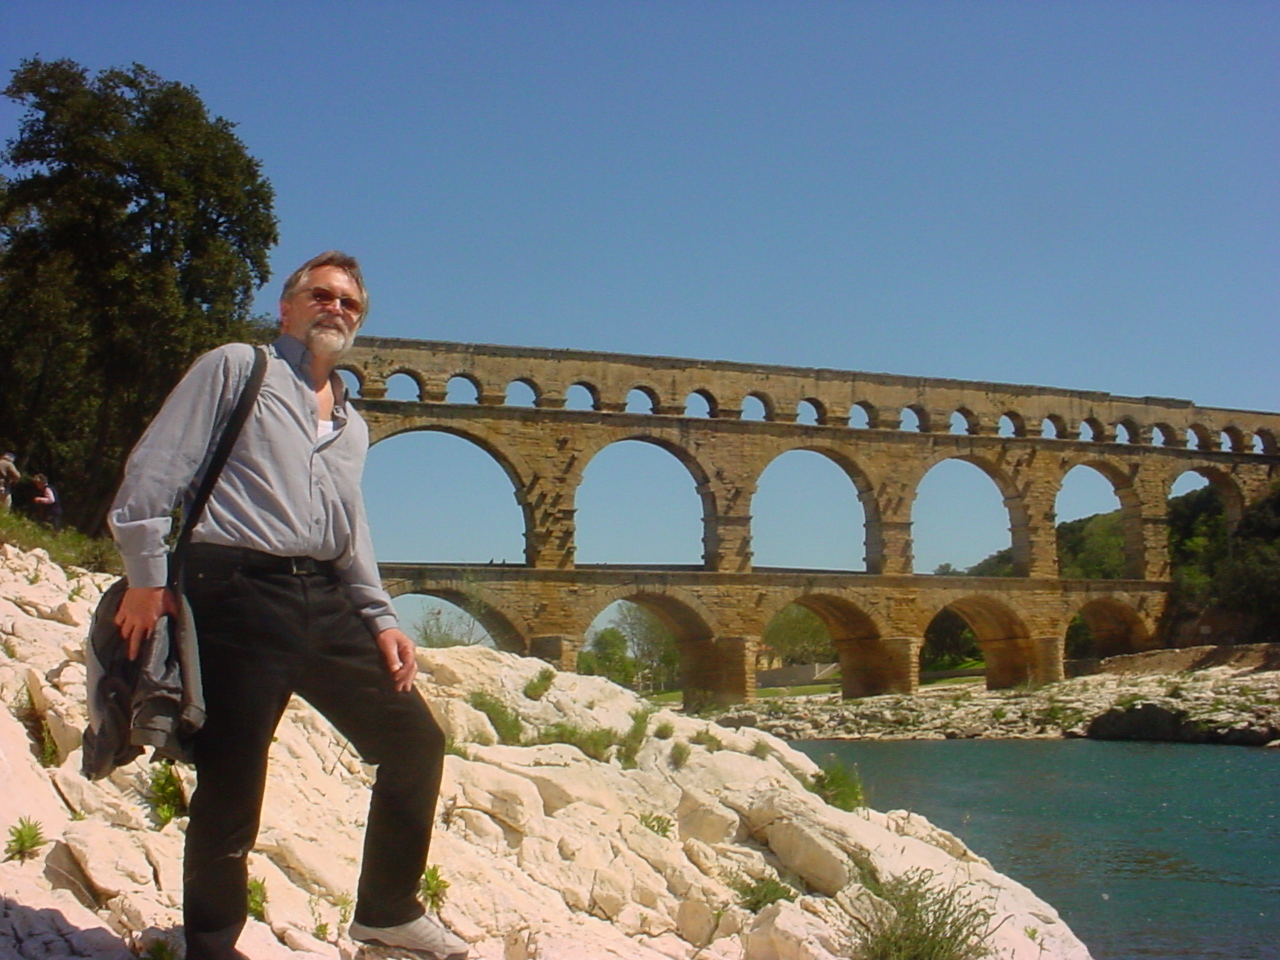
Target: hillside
547,853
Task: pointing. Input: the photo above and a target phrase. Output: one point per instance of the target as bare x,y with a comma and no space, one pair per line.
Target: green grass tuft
258,898
596,743
679,754
434,888
755,895
631,742
539,685
657,823
165,794
505,722
67,548
665,730
761,750
927,923
25,839
839,785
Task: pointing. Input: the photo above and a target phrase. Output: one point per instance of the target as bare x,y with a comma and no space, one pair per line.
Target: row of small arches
701,404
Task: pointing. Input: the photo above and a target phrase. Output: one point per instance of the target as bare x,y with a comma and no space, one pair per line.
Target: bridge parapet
829,396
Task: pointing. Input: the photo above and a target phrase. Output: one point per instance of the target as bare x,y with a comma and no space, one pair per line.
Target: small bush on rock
434,888
839,785
539,685
705,738
596,743
25,838
258,898
505,722
755,895
657,823
679,754
633,740
165,794
927,923
665,730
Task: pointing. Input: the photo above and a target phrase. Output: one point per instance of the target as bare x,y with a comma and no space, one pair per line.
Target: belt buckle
299,566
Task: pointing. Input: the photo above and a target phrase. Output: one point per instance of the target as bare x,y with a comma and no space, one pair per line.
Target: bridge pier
871,666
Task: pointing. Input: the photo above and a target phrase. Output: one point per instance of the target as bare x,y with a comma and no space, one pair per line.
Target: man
9,476
286,598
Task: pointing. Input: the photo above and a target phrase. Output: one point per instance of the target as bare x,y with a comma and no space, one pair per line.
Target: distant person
9,476
45,505
287,599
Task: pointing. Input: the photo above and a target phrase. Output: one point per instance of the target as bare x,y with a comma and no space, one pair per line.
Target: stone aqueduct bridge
1025,438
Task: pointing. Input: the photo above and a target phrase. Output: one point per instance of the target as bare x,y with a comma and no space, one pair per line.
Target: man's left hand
400,653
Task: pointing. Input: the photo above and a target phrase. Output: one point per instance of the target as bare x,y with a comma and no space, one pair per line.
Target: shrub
927,923
258,898
760,750
596,743
679,754
160,950
505,722
25,838
755,895
633,740
839,785
665,730
657,823
165,794
451,746
434,887
705,738
539,685
48,746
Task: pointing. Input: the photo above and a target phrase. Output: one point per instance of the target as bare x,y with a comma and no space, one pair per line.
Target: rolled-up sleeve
162,466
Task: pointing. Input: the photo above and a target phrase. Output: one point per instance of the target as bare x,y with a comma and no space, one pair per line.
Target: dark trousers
264,636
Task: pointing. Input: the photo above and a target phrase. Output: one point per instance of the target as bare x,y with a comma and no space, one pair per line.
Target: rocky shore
611,831
1228,695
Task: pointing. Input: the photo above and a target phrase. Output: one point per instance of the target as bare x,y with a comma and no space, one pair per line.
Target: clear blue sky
1077,194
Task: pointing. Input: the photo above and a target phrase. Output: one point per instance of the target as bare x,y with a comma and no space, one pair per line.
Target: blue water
1148,850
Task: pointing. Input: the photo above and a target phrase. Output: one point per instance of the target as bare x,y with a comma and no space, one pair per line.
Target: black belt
248,559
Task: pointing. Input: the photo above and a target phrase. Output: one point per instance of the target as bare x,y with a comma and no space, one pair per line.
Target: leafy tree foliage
606,655
1247,578
949,642
653,646
798,636
445,627
133,231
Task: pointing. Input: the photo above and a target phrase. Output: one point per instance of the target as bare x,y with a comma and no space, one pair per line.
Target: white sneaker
423,935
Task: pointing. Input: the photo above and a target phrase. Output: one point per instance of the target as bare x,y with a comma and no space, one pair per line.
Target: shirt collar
294,352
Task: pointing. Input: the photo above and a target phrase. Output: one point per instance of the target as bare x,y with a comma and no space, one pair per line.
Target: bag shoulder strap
230,434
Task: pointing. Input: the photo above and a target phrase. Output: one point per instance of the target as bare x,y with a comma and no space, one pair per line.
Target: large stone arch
524,481
507,627
716,669
1228,490
871,662
1132,509
864,486
1015,503
1009,652
1116,626
697,470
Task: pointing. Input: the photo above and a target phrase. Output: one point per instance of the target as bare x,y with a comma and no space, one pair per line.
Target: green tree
606,655
133,230
1246,578
799,636
948,642
1092,547
448,628
652,644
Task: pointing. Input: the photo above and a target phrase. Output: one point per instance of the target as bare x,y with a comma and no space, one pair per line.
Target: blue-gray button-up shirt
283,491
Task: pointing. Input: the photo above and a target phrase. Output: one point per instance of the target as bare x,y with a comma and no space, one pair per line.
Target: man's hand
400,653
139,611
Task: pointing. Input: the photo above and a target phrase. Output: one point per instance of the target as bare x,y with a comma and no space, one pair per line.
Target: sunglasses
325,297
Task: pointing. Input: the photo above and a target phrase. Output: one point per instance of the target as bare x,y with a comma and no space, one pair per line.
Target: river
1149,851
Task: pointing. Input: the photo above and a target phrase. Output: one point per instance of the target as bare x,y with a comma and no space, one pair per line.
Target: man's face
324,312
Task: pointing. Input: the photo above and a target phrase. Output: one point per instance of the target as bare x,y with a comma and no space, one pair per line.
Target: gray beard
326,342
